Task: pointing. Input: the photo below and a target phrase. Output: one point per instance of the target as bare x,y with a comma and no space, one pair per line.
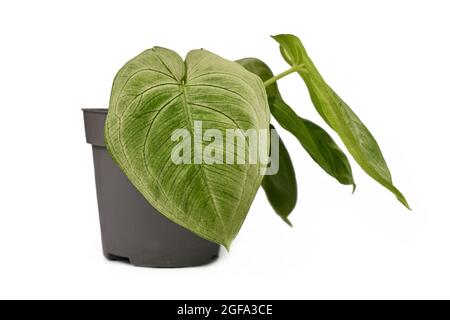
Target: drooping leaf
316,141
157,93
355,135
281,188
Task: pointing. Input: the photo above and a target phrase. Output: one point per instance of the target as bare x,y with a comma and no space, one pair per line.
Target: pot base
154,263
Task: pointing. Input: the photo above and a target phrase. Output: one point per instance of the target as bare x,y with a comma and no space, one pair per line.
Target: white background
388,59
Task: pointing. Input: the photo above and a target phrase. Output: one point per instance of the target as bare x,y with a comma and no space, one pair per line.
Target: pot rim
95,110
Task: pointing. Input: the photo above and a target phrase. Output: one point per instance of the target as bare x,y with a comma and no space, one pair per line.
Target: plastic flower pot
132,230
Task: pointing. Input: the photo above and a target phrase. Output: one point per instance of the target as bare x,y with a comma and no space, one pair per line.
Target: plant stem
295,68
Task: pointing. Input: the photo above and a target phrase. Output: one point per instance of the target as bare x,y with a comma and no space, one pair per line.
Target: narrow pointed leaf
316,141
281,188
157,93
355,135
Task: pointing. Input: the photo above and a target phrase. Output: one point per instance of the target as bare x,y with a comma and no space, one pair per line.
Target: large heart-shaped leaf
355,135
157,93
315,140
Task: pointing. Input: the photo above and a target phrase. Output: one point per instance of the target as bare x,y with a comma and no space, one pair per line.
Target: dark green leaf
355,135
316,141
281,188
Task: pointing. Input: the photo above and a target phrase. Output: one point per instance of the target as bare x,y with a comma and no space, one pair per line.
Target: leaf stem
272,80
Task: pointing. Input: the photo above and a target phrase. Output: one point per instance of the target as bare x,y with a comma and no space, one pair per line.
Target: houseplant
167,118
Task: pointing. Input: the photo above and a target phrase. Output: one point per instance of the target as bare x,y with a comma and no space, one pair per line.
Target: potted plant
176,169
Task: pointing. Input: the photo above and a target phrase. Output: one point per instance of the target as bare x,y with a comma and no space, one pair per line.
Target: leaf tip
405,203
288,222
226,244
276,37
401,198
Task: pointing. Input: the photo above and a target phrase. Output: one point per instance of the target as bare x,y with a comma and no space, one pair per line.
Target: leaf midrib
202,169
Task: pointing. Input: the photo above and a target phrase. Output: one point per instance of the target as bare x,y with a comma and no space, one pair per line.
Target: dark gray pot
132,230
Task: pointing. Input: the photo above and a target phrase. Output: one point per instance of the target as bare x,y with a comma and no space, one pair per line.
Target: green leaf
316,141
281,188
355,135
157,93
